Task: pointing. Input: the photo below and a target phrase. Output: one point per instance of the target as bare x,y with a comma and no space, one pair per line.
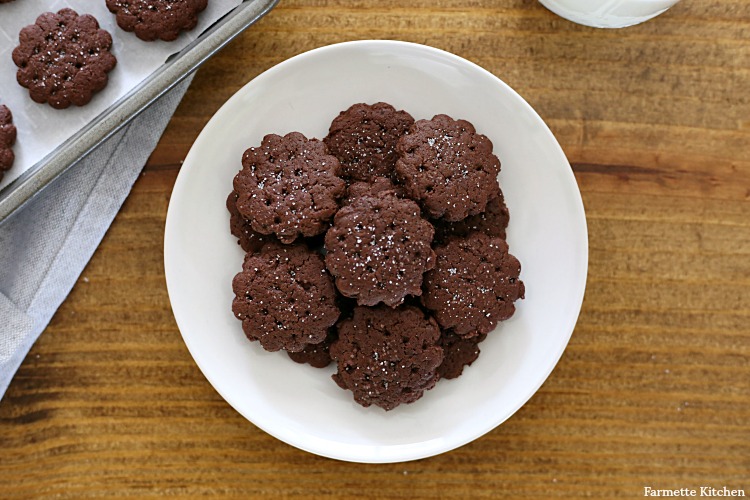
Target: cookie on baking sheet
378,249
492,222
447,167
7,139
154,19
386,356
364,139
284,297
473,285
289,186
458,353
63,58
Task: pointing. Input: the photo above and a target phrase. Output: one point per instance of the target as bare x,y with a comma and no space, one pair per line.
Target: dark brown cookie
7,139
289,186
492,222
248,239
458,352
385,356
364,139
154,19
473,284
63,58
448,167
5,1
378,185
379,248
315,355
284,297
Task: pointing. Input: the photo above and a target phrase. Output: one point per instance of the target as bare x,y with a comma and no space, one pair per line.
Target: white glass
608,13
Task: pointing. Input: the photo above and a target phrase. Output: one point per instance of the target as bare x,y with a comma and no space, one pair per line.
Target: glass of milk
608,13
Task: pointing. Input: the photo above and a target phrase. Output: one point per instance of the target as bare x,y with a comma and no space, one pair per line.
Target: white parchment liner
41,128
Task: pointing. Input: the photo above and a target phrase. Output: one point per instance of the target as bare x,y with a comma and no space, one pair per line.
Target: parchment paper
41,128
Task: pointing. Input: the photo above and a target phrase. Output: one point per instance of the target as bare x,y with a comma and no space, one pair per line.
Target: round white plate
301,405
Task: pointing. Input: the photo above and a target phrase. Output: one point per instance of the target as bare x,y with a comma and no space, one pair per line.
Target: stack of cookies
380,248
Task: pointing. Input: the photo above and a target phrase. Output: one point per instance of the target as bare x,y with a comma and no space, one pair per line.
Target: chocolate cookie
378,185
364,139
7,139
63,58
284,297
458,352
492,222
379,248
385,356
289,186
249,240
448,167
473,284
315,355
153,19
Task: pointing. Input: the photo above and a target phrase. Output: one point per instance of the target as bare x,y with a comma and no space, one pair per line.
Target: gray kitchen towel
45,245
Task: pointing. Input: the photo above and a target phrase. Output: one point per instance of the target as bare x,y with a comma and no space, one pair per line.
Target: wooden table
654,388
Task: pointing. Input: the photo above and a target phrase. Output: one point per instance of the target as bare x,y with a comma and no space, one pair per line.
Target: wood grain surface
654,388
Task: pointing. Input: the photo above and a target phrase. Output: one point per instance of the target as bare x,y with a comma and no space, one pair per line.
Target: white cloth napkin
45,245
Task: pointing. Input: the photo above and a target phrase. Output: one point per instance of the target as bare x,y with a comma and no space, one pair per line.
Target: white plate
301,405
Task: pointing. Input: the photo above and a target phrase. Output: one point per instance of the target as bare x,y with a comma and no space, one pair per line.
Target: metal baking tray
120,113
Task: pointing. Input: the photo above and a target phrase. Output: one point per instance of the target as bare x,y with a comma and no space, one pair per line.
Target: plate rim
395,453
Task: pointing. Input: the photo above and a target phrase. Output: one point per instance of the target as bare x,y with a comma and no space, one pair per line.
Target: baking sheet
41,129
